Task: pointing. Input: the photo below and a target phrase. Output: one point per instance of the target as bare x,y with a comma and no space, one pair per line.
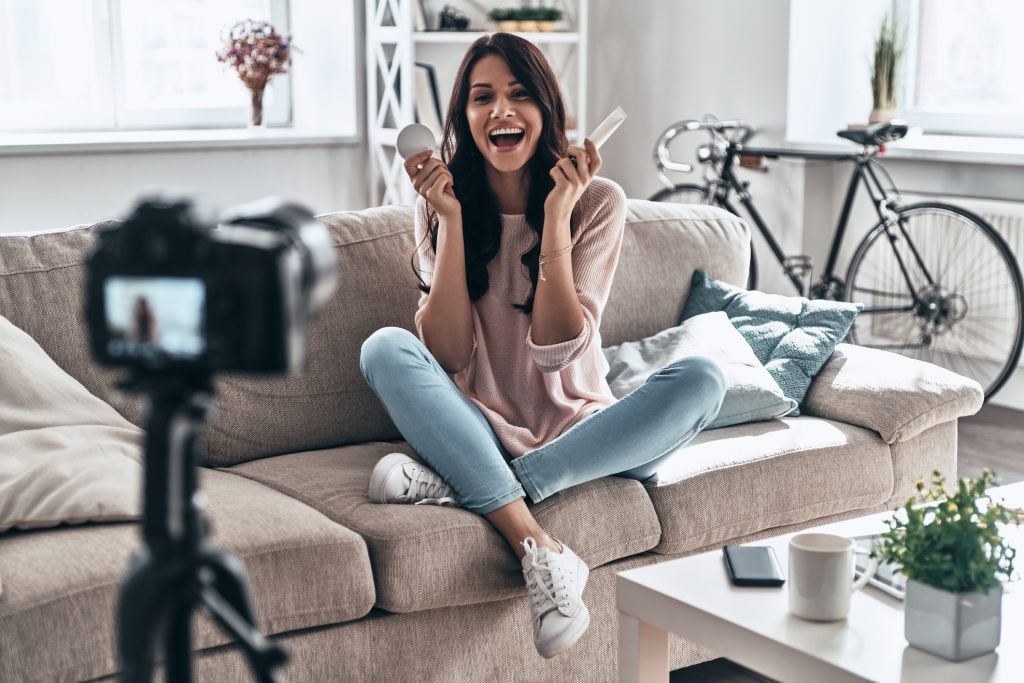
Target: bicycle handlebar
714,126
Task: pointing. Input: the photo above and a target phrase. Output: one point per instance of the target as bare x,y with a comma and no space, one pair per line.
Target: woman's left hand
571,179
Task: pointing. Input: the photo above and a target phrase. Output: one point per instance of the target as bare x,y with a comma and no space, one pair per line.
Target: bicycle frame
862,174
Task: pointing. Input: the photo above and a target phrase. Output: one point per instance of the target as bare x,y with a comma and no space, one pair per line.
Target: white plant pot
879,115
956,626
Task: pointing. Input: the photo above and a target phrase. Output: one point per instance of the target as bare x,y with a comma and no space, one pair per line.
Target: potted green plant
527,17
948,545
890,42
546,18
504,19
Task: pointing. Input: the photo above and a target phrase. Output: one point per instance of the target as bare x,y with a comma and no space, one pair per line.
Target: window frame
29,116
944,121
110,114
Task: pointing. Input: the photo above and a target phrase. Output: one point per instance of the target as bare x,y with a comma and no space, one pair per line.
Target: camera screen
155,316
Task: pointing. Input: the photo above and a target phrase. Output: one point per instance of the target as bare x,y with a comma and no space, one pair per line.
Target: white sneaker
555,582
397,478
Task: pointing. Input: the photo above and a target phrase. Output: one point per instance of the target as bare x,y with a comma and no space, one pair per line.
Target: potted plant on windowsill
885,69
953,556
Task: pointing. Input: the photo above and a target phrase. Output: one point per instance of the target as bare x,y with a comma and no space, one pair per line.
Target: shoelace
546,592
428,488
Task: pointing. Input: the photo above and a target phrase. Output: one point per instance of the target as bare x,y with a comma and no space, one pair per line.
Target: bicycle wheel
689,193
943,287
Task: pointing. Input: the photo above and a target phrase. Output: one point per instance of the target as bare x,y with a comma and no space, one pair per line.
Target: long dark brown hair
480,217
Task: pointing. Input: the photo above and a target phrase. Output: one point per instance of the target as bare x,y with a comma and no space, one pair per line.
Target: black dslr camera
175,295
174,288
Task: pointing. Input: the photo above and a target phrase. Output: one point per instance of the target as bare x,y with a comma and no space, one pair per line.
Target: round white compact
413,139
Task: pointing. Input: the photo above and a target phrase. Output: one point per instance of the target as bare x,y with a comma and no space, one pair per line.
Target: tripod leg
227,577
141,615
225,593
178,650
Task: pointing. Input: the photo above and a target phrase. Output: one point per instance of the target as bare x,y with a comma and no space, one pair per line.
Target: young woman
517,245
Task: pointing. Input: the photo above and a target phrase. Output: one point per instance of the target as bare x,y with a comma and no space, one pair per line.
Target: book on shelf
428,101
419,16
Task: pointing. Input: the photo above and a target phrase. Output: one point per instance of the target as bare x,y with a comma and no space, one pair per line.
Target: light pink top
531,394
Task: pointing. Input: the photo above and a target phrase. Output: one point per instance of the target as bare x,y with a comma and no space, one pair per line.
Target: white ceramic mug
821,575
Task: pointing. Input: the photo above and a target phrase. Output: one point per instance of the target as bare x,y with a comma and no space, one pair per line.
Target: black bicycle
938,283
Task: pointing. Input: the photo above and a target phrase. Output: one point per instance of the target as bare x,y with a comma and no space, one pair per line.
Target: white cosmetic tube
607,127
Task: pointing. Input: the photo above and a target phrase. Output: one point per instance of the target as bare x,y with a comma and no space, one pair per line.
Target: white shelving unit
392,49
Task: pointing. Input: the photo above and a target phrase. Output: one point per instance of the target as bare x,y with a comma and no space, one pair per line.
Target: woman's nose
502,108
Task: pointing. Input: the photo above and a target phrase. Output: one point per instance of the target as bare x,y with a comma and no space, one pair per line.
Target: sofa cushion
751,394
896,396
57,611
739,480
662,245
426,556
791,335
41,279
67,455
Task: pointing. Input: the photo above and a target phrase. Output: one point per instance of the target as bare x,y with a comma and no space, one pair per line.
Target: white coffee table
692,597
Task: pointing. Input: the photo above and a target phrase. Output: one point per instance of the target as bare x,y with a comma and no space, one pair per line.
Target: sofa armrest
896,396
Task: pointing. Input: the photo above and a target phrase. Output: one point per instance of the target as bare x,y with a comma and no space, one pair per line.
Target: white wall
666,60
49,192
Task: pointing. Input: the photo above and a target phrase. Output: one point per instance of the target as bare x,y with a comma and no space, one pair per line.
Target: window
963,65
127,64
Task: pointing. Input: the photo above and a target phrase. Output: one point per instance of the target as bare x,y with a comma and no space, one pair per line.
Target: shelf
466,37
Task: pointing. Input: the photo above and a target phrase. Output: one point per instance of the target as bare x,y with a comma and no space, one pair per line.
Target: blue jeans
630,438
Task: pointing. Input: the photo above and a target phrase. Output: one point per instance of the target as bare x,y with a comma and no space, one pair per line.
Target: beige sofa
364,592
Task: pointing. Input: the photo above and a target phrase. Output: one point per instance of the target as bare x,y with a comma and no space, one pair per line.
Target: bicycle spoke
976,324
971,277
953,252
1001,289
878,292
972,363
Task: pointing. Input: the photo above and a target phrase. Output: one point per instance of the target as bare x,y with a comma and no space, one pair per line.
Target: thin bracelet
548,258
556,254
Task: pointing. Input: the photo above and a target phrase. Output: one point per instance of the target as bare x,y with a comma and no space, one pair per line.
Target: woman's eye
520,94
481,98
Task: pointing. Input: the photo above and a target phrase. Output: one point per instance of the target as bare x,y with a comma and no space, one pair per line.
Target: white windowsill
961,149
18,144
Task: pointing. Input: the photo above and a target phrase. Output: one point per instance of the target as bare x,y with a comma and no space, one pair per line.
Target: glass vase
256,103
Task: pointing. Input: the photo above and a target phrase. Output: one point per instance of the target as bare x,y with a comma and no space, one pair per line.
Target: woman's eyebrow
488,85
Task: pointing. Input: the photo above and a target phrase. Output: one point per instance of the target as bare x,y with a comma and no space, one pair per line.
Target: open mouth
506,138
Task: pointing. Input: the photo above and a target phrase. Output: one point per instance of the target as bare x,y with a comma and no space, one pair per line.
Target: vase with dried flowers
256,51
890,42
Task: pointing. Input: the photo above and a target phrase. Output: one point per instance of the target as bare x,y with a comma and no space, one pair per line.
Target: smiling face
505,121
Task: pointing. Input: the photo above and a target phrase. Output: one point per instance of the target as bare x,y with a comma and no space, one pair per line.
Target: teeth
505,131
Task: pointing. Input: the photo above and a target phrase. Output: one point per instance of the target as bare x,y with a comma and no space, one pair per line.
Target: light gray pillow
751,393
65,455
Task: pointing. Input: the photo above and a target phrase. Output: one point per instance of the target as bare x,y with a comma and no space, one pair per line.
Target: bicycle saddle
878,134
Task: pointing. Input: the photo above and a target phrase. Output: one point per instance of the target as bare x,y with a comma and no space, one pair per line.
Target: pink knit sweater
531,394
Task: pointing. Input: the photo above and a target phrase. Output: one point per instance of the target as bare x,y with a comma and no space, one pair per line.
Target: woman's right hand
433,181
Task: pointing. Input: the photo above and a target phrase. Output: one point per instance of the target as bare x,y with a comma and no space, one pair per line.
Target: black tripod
174,572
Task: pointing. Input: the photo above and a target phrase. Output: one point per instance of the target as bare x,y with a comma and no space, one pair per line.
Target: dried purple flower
247,49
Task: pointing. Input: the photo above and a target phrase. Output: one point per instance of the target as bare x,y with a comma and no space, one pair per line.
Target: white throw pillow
751,393
65,455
